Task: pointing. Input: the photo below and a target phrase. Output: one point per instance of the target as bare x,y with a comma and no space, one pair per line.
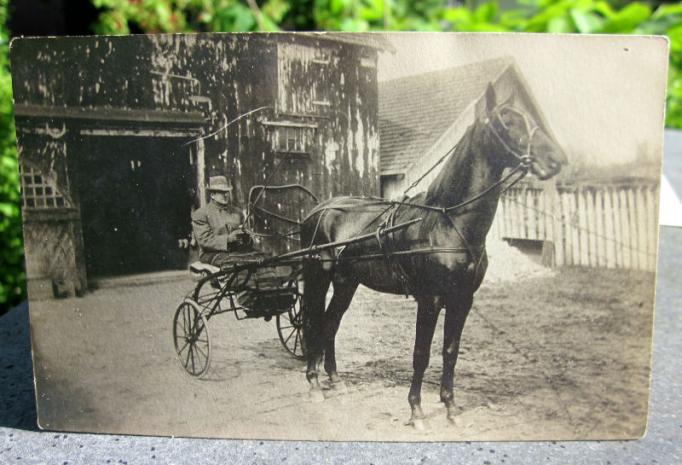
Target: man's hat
219,183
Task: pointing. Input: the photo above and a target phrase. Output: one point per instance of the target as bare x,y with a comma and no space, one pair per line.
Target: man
218,226
218,229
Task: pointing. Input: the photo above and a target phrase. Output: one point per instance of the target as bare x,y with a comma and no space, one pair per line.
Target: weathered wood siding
318,99
225,76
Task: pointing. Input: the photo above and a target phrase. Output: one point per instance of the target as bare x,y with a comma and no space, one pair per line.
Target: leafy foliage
126,16
558,16
11,252
133,16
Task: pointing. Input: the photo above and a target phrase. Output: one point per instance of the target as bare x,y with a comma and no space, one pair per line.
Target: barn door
136,196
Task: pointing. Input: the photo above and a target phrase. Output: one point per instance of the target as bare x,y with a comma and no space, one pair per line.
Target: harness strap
395,269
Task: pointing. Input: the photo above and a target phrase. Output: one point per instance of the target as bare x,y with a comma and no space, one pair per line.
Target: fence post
625,228
632,228
609,230
591,228
639,215
573,220
562,199
507,214
516,208
542,214
652,226
599,225
554,232
530,212
617,237
582,227
650,239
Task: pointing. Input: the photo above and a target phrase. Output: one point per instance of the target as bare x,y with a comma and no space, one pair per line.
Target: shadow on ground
17,395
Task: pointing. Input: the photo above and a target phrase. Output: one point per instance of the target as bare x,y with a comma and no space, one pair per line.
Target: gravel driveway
558,357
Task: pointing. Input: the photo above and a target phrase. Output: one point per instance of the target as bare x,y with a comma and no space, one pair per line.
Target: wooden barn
118,136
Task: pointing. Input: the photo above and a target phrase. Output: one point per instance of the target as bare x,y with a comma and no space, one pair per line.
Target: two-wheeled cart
265,288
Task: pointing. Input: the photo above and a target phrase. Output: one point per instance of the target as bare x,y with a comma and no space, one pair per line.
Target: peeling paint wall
319,119
336,86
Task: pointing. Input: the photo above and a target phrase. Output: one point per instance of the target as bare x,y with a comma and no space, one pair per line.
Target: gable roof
415,111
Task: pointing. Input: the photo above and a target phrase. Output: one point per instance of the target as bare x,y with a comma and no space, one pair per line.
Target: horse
439,259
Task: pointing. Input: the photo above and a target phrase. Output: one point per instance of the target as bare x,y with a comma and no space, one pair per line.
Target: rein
525,161
521,167
475,252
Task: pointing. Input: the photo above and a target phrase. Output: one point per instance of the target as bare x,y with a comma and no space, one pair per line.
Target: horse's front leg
456,311
316,283
344,290
427,317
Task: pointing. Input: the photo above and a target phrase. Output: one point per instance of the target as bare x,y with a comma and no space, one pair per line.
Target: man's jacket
212,225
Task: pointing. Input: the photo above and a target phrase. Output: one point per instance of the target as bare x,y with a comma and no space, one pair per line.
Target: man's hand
235,235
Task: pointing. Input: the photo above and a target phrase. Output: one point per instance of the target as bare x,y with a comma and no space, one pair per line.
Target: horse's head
521,138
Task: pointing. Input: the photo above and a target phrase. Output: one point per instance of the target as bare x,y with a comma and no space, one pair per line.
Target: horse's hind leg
457,309
427,317
316,282
344,290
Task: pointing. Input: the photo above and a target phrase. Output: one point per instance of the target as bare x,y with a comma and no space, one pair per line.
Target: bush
12,279
579,16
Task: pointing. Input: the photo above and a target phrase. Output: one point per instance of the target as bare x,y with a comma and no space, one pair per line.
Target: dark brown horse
440,260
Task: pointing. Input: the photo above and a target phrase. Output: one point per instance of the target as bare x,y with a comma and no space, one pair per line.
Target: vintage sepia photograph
342,236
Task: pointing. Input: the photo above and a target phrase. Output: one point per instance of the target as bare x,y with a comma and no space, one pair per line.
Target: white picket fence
611,226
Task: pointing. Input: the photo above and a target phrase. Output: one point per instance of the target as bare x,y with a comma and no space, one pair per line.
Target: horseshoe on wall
55,133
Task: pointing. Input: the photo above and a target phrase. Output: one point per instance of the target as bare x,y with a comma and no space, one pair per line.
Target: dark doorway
136,196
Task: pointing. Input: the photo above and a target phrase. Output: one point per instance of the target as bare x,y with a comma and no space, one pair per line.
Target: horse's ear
490,98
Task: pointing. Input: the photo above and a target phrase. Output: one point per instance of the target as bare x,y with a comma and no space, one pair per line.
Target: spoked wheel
290,330
190,335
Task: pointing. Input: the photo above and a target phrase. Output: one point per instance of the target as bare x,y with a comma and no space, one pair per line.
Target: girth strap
393,267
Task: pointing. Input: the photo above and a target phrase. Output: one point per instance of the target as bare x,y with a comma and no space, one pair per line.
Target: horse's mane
448,189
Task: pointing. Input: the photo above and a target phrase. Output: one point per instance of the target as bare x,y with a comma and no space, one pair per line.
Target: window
304,79
368,62
291,139
38,192
321,56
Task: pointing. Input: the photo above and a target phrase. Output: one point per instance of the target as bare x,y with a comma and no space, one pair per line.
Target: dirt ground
559,357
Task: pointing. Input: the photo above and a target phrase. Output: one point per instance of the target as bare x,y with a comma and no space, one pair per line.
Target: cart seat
199,270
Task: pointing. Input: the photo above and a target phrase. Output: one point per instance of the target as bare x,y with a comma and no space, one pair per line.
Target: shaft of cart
288,258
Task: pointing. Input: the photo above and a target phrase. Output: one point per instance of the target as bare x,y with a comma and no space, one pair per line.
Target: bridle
525,161
526,158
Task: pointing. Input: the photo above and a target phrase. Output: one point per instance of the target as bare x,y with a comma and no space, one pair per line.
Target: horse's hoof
416,423
316,396
339,387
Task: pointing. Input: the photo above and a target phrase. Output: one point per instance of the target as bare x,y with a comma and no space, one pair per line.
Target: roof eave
378,42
